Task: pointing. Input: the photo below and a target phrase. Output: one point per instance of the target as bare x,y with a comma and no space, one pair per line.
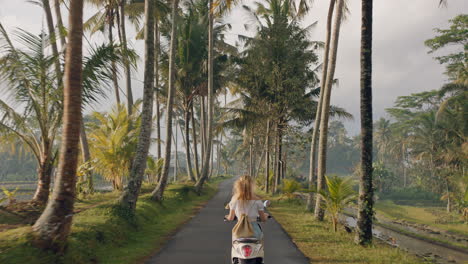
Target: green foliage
384,178
107,233
154,168
113,138
9,195
338,195
84,184
289,187
316,241
456,35
411,195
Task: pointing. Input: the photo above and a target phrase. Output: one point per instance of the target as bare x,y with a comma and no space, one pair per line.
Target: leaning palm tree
29,79
130,195
366,189
313,144
54,225
325,111
209,140
337,196
28,76
158,192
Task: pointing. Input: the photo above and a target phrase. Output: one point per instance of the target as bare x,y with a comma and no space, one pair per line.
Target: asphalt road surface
206,238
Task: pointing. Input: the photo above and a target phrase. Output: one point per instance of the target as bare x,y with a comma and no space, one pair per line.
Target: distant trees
425,142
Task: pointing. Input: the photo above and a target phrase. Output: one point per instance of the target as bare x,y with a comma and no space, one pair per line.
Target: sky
401,63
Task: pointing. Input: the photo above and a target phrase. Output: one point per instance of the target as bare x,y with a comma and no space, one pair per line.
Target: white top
248,207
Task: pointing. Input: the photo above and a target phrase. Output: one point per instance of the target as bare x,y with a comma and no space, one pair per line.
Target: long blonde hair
244,189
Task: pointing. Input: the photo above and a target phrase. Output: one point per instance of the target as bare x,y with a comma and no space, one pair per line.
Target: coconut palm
153,168
209,140
54,225
313,144
366,189
325,111
30,80
113,143
104,19
158,192
337,196
130,196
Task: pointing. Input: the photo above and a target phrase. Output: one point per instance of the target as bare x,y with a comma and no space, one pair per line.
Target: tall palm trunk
52,35
113,65
313,144
60,26
176,158
195,145
187,142
267,155
280,166
123,41
275,160
209,127
53,226
130,195
202,127
44,172
251,165
322,157
158,192
86,156
156,89
366,191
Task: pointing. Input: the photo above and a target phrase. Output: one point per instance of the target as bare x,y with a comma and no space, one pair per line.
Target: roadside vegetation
321,245
104,233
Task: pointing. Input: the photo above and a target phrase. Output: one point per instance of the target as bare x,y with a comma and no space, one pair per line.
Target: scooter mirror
266,203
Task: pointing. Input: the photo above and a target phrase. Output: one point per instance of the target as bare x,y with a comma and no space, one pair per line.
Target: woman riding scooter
245,204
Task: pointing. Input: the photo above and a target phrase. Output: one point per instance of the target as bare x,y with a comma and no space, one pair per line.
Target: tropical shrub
337,196
113,143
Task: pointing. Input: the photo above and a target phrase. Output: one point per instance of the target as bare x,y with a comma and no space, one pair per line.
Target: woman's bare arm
231,215
263,216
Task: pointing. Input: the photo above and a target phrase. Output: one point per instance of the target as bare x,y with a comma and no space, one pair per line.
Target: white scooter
248,250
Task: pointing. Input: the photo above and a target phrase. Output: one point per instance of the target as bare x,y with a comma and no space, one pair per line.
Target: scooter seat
247,240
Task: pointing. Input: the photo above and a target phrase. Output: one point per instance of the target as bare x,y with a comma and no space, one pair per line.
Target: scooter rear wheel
251,261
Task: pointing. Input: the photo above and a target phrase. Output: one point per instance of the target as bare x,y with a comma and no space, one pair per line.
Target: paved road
206,238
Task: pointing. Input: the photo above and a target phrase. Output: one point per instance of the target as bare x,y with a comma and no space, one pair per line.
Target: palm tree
338,195
153,168
366,191
54,225
61,28
322,151
53,42
114,141
158,192
98,22
38,125
209,140
130,195
313,144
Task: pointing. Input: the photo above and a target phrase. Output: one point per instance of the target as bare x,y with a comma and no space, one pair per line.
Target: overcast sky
401,63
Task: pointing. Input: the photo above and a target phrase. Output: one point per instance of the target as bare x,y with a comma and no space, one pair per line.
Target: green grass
322,246
432,216
106,234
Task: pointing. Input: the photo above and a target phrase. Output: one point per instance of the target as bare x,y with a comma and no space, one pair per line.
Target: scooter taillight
247,251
